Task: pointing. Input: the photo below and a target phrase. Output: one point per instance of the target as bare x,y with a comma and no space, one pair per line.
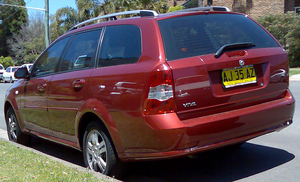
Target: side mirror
21,73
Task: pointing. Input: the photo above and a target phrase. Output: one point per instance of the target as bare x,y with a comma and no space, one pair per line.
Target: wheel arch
9,104
97,112
85,120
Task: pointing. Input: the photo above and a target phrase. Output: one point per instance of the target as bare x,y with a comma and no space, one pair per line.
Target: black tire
98,152
13,129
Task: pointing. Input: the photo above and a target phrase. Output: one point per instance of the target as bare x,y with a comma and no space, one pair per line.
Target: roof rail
142,13
208,8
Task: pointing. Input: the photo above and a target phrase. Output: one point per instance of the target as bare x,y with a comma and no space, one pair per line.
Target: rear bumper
172,137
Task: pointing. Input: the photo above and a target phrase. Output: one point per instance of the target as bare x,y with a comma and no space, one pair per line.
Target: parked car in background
28,66
153,87
8,75
2,70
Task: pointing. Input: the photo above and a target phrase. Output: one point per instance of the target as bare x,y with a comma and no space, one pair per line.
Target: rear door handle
42,87
78,83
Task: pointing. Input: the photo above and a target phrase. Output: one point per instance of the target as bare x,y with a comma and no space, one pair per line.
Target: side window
47,63
81,52
121,45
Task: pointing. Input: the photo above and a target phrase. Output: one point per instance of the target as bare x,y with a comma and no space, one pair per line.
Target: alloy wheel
96,151
12,127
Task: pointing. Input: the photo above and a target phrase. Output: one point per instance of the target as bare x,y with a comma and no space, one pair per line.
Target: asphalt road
273,157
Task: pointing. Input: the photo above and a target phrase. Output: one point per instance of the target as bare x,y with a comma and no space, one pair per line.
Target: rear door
221,62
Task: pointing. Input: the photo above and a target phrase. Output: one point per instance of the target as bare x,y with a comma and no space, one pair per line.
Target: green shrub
6,61
174,8
286,29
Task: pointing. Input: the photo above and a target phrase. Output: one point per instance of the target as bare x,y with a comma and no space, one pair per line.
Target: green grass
18,164
294,71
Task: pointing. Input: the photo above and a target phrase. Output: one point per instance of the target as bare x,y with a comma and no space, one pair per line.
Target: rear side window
14,69
205,34
81,52
121,45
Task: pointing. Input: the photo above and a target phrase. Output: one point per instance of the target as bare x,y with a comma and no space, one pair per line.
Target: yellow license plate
238,76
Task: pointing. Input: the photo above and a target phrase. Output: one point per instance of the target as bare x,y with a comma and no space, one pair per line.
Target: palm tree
64,19
67,17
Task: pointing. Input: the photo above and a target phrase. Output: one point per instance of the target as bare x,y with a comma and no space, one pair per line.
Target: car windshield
1,67
8,69
196,35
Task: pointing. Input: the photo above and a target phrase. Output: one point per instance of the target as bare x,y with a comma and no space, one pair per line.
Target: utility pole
47,35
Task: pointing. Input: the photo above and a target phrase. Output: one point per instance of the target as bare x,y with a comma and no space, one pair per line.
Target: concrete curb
295,77
3,134
101,177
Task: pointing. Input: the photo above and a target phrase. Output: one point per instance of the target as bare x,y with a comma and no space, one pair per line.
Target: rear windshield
190,36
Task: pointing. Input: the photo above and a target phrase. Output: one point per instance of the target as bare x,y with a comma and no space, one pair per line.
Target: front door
36,89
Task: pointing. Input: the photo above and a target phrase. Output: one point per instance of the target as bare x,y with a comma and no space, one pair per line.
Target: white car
8,75
2,70
28,66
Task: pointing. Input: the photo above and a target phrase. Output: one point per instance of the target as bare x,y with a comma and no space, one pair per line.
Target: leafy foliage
12,20
112,6
6,61
286,29
175,8
65,18
88,9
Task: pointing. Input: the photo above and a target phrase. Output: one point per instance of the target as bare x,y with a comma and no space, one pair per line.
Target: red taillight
160,98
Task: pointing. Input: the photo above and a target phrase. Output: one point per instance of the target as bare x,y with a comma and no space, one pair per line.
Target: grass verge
17,164
294,71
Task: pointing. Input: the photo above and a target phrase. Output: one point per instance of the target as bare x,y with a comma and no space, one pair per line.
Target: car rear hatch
221,62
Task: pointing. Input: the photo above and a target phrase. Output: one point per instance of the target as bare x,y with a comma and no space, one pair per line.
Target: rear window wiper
233,47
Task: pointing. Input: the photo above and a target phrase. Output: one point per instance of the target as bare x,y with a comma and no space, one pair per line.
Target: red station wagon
154,86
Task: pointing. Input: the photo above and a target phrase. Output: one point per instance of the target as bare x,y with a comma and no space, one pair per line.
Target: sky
54,5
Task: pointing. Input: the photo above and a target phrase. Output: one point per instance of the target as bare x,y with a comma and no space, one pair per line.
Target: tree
6,61
175,8
65,18
12,20
88,9
112,6
26,45
286,29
